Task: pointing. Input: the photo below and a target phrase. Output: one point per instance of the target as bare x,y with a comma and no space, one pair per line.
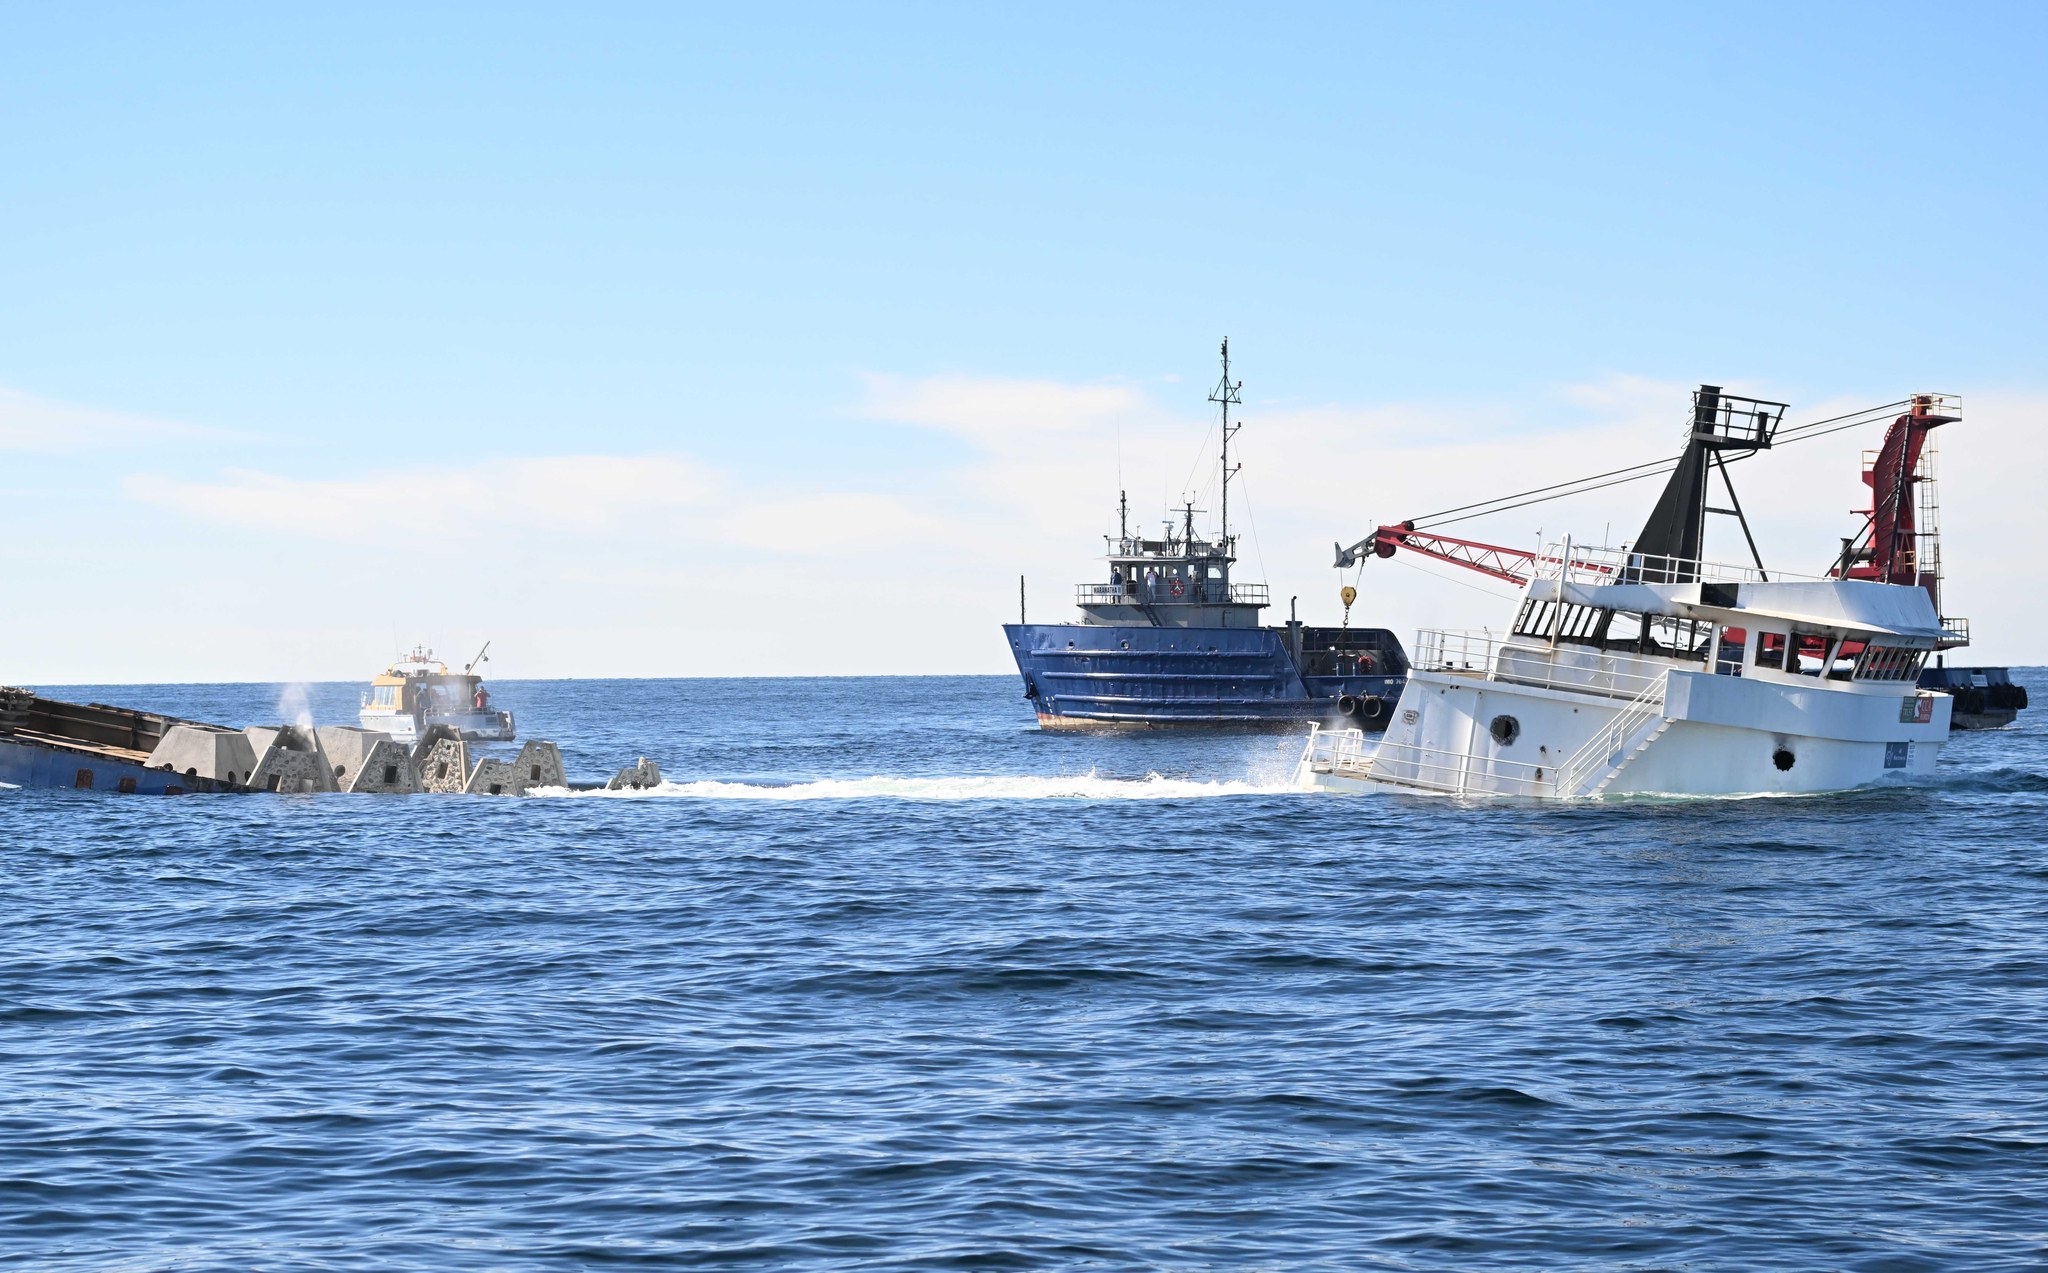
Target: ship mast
1226,393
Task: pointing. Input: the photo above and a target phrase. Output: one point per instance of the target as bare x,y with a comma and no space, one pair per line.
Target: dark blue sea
887,978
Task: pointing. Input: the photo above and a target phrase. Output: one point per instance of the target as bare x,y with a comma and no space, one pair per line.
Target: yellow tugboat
419,692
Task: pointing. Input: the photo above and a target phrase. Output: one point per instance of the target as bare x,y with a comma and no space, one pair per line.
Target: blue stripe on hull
31,764
1083,676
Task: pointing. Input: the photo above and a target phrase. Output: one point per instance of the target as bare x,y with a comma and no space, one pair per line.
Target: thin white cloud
835,524
43,425
1005,414
659,503
575,495
1631,397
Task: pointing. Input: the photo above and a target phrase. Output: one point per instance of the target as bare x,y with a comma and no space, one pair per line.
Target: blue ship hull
86,747
1986,697
1089,676
29,763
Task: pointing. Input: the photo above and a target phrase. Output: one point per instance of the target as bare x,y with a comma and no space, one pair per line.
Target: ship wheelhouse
1180,580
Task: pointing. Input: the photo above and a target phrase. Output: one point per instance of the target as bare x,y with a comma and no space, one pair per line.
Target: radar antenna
1225,393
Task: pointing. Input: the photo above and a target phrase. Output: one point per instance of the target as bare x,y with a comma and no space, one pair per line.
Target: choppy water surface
890,979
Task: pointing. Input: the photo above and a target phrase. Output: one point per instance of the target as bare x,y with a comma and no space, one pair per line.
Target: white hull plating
485,726
1678,690
1714,736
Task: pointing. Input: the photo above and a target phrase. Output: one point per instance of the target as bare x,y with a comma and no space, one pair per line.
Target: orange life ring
1176,587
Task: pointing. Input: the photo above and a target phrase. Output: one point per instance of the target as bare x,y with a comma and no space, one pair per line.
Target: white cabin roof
1841,607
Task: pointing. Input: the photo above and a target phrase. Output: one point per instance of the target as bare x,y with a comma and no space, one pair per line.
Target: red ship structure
1901,543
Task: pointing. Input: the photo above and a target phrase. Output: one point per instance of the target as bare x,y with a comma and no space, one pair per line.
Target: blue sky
662,334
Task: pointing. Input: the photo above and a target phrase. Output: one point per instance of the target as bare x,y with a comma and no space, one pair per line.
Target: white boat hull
1709,736
485,726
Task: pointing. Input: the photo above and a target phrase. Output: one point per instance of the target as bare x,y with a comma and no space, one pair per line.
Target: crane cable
1636,472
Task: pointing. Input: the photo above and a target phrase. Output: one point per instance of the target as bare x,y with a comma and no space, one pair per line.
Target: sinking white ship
1648,671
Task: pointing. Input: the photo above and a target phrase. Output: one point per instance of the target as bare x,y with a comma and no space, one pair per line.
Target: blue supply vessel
1986,697
1170,639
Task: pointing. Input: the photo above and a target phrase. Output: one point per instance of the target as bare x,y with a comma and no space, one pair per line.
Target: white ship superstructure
1648,671
1727,684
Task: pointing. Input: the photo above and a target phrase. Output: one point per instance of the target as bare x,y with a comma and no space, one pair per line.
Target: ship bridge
1179,580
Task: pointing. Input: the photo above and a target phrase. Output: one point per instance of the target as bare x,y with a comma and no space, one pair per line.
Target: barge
50,743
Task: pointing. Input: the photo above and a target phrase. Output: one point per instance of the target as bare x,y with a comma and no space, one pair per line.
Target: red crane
1511,564
1889,549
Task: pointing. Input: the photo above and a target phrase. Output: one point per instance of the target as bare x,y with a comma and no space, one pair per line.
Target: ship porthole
1505,730
1783,758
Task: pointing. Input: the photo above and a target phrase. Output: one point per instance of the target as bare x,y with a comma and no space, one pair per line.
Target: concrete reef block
205,751
539,764
440,760
637,777
288,759
367,760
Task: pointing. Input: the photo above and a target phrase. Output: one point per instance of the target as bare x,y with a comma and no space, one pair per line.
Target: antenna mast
1226,393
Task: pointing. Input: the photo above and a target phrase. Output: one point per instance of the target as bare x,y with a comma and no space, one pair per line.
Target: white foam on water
1088,786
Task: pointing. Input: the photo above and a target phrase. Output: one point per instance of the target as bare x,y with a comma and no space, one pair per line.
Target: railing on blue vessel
1161,593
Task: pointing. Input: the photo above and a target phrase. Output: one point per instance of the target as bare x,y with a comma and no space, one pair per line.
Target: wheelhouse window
1770,649
1728,652
1889,663
1565,622
1615,631
1810,653
1842,660
1675,638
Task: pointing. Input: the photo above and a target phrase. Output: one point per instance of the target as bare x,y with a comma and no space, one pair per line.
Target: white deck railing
1620,565
1525,660
1455,650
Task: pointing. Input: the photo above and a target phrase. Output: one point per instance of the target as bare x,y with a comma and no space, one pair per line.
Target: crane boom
1511,565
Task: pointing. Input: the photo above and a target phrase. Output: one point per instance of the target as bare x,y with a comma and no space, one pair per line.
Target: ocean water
887,978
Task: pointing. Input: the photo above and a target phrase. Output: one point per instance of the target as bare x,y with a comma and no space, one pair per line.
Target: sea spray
295,705
1088,786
